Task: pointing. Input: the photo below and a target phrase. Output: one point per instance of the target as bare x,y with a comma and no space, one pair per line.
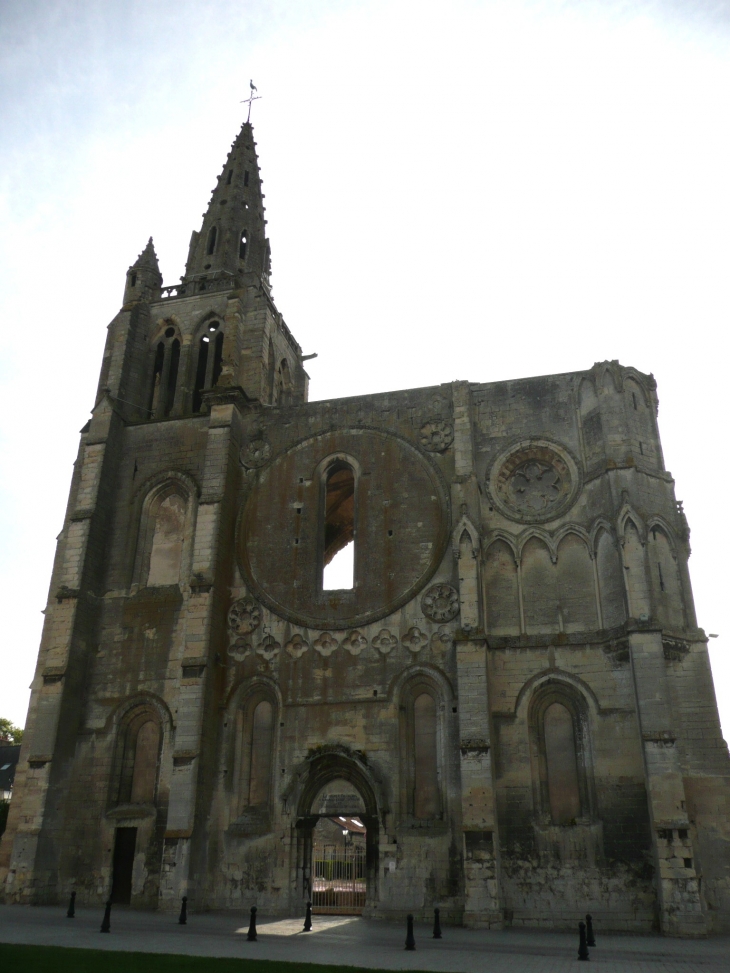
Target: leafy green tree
9,730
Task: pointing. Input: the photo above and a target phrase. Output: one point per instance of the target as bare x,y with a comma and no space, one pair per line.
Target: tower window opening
338,570
242,246
172,376
156,378
230,177
211,240
210,361
641,448
170,333
661,577
132,280
245,177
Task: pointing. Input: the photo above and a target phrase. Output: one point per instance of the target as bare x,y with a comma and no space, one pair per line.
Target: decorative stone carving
326,644
534,481
244,617
296,646
440,603
354,642
384,642
239,648
442,640
256,453
268,648
414,639
436,435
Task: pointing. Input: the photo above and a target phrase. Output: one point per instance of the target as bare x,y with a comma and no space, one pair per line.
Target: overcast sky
461,190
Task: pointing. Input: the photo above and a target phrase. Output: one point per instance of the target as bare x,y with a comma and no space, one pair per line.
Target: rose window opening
535,485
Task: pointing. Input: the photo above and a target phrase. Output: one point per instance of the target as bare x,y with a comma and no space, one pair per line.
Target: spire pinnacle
232,240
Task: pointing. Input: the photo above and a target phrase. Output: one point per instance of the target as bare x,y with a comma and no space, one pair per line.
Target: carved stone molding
436,435
255,453
244,617
440,603
534,481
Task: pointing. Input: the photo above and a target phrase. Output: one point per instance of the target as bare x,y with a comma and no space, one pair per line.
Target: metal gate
338,881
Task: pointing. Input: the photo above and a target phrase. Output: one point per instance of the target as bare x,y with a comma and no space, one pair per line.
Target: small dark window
170,333
211,240
641,448
682,834
688,863
245,178
242,246
230,177
633,396
132,280
661,578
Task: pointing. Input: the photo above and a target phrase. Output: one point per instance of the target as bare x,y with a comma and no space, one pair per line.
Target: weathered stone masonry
515,688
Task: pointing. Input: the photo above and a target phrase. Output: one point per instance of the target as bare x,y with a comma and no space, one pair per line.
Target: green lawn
58,959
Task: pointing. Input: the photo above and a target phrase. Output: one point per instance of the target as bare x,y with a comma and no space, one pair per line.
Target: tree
9,730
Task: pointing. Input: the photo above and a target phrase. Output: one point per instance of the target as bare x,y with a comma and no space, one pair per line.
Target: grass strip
15,958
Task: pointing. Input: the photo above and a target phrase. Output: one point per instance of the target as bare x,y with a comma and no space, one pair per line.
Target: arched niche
501,587
576,585
539,588
610,581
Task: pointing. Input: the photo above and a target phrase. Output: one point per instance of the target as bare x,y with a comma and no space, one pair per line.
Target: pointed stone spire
232,240
144,279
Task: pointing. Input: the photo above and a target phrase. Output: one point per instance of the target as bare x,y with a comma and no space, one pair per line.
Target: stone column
30,845
482,907
198,660
680,903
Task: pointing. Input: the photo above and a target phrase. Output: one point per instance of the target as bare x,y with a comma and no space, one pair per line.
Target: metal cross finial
251,98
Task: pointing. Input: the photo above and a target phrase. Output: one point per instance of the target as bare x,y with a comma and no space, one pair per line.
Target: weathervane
251,99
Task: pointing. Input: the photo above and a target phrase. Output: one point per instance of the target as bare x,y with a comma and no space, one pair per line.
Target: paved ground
362,942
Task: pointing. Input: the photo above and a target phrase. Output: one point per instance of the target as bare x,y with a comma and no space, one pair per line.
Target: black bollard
436,924
252,937
410,940
582,947
183,920
590,938
71,914
308,918
106,921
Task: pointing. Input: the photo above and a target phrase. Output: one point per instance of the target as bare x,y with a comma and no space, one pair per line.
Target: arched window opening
144,774
210,361
172,377
137,758
132,280
242,245
156,378
562,765
212,235
426,801
339,528
230,177
167,542
261,741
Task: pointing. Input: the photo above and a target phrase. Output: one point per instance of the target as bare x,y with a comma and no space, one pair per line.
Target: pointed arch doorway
339,849
338,841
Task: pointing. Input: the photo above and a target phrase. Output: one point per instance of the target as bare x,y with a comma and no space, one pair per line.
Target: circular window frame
522,451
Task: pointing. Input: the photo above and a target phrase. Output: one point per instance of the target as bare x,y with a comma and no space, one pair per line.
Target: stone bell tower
175,361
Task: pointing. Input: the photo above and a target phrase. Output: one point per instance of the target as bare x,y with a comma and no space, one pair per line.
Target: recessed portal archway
337,829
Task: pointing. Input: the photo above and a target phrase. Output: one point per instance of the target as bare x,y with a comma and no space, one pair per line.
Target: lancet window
166,364
210,360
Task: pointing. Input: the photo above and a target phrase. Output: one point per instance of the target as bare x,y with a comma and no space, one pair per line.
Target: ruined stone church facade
513,695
